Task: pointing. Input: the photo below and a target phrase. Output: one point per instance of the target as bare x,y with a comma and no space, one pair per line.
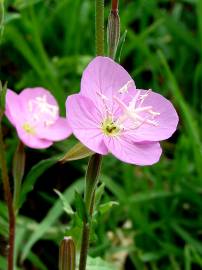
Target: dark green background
158,223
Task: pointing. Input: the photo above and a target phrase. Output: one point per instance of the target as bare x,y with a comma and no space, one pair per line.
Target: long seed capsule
113,32
67,254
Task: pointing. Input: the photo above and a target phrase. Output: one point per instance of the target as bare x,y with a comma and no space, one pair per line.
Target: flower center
134,113
42,111
110,128
28,128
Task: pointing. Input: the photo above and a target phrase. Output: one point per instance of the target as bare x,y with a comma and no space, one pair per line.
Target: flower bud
67,254
113,33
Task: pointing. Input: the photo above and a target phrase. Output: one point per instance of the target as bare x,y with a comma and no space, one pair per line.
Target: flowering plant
111,115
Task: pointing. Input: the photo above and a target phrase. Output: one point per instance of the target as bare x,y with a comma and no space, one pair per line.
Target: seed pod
113,33
67,254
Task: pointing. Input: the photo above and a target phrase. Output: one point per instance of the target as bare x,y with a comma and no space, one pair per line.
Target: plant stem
18,172
115,4
92,176
95,161
9,201
99,26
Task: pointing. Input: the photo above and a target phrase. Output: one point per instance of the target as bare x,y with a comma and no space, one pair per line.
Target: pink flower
111,115
35,115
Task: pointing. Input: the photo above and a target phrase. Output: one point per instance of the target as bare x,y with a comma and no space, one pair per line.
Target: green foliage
81,207
157,224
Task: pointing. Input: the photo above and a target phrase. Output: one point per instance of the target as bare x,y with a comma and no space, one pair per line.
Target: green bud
67,254
113,33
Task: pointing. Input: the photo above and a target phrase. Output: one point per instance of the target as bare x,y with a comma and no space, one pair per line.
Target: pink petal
145,153
31,93
104,76
166,122
31,140
13,108
58,131
85,121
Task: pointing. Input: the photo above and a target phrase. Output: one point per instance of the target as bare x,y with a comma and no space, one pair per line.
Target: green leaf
51,217
120,45
21,4
36,171
99,264
187,237
98,193
81,207
36,261
66,206
77,152
189,121
106,207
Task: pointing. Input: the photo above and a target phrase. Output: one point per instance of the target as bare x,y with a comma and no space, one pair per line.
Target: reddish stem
9,201
115,4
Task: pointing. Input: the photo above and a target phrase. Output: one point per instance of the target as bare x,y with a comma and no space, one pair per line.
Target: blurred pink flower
35,115
111,115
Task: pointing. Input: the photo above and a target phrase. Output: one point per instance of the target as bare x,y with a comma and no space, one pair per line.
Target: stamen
43,106
41,110
132,111
124,89
144,96
28,128
144,109
110,127
104,99
132,103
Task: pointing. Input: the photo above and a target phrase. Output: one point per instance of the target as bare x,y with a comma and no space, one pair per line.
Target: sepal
78,151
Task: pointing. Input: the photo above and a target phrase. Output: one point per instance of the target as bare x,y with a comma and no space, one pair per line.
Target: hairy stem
92,177
95,161
99,26
9,201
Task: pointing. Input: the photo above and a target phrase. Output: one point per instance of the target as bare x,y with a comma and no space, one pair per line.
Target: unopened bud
67,254
113,33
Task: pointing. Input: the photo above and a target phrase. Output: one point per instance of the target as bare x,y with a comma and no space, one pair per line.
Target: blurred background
158,222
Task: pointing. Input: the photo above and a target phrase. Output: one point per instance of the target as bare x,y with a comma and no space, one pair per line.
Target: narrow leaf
81,207
66,205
